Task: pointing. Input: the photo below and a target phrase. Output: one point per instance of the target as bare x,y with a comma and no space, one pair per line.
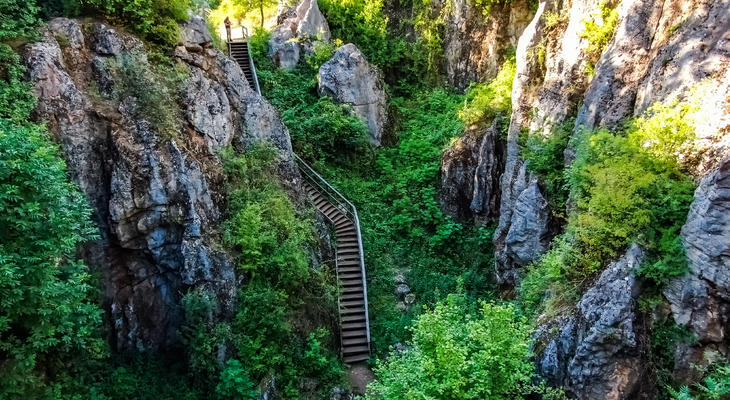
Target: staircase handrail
253,68
350,211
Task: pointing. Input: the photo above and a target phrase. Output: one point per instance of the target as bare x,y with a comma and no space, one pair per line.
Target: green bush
545,157
154,20
16,100
18,18
488,100
320,129
599,31
273,240
364,23
48,315
157,89
458,355
486,5
627,186
716,386
235,383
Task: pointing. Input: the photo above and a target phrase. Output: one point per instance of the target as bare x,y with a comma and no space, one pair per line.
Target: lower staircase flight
342,215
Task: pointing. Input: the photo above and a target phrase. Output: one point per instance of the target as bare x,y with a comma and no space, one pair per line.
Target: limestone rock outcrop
700,300
297,28
475,45
597,352
470,171
157,197
660,49
350,79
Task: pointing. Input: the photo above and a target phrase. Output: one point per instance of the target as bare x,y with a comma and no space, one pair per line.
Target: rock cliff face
470,172
157,197
298,27
475,45
350,79
660,50
700,300
597,353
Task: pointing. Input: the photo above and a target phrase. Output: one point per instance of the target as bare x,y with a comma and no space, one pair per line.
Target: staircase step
345,270
349,263
358,358
354,326
348,250
353,318
355,349
351,282
355,334
352,296
353,303
358,341
349,275
353,311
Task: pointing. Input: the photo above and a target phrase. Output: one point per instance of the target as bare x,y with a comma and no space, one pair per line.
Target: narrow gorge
365,199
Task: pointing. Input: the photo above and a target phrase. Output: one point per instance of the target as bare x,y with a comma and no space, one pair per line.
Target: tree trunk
261,9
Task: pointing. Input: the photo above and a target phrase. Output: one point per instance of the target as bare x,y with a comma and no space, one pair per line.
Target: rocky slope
660,49
157,195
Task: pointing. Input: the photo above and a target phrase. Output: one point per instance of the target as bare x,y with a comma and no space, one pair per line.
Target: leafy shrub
18,18
626,193
154,20
716,386
627,187
16,100
235,383
488,100
364,23
48,312
156,88
545,157
320,129
273,239
263,224
486,5
458,355
599,31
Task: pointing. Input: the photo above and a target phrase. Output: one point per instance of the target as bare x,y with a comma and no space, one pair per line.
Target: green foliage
18,18
458,355
47,314
599,31
153,20
157,89
545,157
627,187
546,279
273,239
664,340
263,224
716,386
364,23
16,100
487,5
235,384
488,100
319,128
626,192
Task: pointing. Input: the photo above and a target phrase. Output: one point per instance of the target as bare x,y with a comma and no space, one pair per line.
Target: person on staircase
227,22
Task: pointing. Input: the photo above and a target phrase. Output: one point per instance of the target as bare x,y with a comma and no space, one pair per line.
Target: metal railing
348,209
244,30
331,194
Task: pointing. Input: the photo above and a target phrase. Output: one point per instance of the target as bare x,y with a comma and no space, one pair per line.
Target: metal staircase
342,215
349,264
238,50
